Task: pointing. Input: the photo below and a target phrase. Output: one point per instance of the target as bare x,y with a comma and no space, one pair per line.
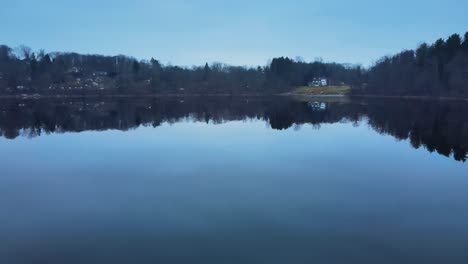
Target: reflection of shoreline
350,97
437,125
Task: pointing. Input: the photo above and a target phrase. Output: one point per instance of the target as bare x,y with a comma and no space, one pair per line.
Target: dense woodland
23,71
439,126
439,69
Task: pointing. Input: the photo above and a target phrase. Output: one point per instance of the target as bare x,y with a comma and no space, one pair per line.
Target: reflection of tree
436,126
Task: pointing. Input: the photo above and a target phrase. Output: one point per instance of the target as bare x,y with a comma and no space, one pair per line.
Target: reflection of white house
316,82
317,106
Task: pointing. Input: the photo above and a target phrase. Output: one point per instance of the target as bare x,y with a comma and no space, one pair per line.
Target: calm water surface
233,180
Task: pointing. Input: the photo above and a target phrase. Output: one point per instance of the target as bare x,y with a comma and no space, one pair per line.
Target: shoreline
288,94
38,97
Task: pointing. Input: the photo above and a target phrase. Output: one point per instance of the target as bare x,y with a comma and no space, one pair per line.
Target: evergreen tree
135,69
421,54
206,72
465,43
33,66
45,63
453,45
156,70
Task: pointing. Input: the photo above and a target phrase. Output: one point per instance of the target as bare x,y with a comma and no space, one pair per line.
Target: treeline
439,69
439,126
24,71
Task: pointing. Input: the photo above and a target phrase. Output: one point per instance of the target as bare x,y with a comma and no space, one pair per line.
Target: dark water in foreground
233,180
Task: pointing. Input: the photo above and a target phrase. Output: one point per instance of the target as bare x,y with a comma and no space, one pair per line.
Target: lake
233,180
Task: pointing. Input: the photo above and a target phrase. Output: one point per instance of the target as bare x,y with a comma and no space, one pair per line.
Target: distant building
317,82
317,106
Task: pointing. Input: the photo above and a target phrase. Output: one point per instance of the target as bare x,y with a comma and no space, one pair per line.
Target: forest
438,70
23,71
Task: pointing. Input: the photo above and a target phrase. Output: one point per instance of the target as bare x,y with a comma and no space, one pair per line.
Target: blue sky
241,32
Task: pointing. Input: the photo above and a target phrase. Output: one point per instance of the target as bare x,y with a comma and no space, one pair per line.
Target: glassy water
233,180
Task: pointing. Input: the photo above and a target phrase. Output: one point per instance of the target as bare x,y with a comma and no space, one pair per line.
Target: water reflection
439,126
240,189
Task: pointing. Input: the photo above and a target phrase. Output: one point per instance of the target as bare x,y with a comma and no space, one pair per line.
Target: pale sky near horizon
242,32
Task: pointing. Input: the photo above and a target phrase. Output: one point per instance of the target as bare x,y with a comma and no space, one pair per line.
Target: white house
316,82
323,82
317,106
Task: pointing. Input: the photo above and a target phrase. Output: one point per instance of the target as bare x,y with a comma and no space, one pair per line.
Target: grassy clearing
323,90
